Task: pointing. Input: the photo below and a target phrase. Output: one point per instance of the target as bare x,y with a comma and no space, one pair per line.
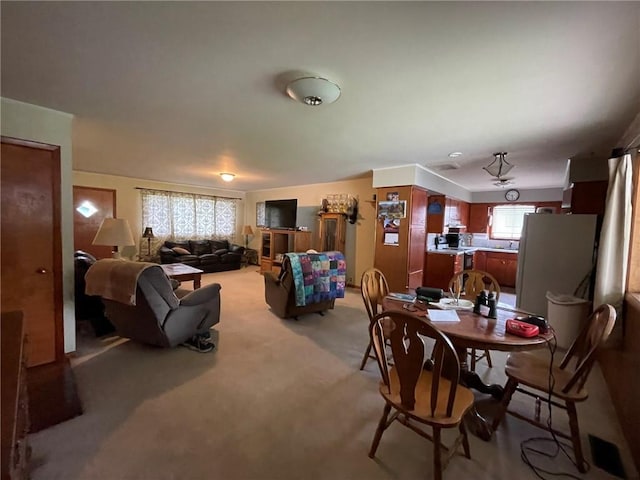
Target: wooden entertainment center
275,243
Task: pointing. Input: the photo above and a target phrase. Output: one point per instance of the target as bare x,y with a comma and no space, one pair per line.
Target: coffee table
180,271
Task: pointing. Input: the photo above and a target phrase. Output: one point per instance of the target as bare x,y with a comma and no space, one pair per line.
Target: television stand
276,242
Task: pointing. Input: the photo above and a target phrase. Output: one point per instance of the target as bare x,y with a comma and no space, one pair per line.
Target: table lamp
114,232
246,231
148,234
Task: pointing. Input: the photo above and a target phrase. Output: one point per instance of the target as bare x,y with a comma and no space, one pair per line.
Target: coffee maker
453,240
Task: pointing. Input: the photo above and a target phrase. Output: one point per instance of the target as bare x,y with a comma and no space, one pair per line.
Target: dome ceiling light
313,91
227,177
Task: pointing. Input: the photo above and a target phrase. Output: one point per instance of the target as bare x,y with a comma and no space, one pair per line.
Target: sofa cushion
209,258
181,251
199,247
177,243
219,245
221,252
231,258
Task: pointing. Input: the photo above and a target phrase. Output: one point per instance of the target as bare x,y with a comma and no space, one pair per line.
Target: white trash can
567,315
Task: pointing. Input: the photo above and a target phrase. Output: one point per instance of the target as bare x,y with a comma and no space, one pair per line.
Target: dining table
474,330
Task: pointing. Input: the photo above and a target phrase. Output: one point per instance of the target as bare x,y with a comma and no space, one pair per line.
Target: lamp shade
114,232
313,91
148,233
246,230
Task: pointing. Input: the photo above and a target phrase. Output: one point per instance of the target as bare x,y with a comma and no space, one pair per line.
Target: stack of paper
437,315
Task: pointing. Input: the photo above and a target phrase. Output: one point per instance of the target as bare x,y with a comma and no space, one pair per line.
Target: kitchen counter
460,251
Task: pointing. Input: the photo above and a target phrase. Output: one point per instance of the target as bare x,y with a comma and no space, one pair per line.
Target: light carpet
277,399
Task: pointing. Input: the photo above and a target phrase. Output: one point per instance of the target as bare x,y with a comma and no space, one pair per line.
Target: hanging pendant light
499,167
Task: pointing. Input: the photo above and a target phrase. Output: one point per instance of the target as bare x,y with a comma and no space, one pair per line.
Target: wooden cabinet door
440,269
503,266
463,213
332,232
480,261
32,245
510,273
435,213
496,267
478,218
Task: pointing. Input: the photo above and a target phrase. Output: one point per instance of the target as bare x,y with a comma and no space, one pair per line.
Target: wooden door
91,206
31,251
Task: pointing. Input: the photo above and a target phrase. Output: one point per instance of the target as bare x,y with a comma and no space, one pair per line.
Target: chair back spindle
408,350
582,353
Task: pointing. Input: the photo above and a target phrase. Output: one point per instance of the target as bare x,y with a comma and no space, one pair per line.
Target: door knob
41,271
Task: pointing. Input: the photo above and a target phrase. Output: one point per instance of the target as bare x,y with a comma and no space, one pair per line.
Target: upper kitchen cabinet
478,218
445,212
436,205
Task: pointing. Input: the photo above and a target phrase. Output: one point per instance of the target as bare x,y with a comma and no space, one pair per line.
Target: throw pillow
181,251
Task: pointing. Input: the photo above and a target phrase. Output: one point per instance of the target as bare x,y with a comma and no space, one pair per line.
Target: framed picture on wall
395,209
260,220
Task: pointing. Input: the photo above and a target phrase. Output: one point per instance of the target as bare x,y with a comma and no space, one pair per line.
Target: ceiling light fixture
227,177
313,91
499,167
455,154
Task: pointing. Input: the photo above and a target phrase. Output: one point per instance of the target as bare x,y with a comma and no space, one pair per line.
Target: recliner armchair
158,316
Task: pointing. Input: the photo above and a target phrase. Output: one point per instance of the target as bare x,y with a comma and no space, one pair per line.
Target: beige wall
128,204
359,249
30,122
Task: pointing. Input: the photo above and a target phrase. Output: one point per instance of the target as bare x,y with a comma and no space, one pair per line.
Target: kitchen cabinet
444,212
440,268
436,213
480,260
503,266
403,262
478,218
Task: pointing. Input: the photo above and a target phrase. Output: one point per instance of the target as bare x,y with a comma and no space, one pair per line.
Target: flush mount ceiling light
499,167
313,91
227,177
455,154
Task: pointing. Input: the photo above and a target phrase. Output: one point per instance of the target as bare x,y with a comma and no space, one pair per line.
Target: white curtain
615,236
185,216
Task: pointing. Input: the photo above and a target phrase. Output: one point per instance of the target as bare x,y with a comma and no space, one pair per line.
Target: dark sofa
207,255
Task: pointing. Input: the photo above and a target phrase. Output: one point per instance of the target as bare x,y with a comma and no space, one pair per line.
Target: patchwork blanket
318,276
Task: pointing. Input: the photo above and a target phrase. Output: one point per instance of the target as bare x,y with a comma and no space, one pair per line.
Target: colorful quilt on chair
318,276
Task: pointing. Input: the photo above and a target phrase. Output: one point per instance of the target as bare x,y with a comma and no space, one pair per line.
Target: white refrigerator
556,253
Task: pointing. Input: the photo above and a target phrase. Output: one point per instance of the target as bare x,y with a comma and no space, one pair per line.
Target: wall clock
512,195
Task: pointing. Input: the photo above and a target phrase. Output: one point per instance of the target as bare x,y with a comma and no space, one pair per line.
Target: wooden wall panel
392,259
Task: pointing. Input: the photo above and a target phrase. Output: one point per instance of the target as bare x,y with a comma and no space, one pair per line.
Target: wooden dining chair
533,373
468,284
374,288
420,398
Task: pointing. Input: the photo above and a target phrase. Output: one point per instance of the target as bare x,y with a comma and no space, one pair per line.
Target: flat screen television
281,214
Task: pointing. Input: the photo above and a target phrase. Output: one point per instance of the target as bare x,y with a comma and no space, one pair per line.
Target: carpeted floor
277,399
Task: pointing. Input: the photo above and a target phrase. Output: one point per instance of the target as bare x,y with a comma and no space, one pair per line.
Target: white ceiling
180,91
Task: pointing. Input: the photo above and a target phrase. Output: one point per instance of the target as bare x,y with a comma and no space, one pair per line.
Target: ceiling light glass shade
313,91
499,167
227,177
114,232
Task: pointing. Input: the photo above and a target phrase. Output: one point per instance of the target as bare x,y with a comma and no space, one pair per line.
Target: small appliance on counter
453,239
440,242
